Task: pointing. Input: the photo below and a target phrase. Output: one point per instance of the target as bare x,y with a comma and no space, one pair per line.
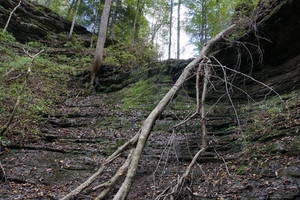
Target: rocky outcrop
269,51
33,22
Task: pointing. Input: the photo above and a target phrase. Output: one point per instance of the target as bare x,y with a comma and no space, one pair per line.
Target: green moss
46,85
144,94
36,44
19,63
6,37
242,169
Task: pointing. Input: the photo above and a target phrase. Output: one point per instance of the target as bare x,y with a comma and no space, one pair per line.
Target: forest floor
47,156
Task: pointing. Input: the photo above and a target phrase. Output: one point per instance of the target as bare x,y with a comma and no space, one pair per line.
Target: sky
187,49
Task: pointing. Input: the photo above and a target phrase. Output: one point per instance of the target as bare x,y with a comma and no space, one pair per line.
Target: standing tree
73,2
178,30
135,30
74,18
170,31
101,41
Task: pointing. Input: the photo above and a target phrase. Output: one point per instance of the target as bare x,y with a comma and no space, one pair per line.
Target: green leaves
209,17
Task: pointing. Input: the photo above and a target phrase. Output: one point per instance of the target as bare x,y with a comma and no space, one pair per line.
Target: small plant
6,37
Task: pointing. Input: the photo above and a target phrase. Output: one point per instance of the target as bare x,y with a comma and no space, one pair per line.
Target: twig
186,120
238,88
170,141
227,90
224,161
8,72
257,81
182,179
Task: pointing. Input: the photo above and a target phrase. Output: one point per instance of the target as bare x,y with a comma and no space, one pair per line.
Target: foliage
208,17
131,21
128,55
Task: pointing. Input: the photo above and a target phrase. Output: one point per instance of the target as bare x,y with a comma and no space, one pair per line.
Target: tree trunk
170,31
10,15
101,41
74,2
74,19
139,9
178,30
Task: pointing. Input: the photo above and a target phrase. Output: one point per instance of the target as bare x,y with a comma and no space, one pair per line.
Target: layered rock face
32,22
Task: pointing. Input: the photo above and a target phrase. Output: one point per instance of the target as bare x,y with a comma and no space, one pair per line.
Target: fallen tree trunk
142,136
207,51
92,178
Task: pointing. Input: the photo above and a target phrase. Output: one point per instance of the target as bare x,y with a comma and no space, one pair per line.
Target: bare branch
92,178
3,172
108,185
10,15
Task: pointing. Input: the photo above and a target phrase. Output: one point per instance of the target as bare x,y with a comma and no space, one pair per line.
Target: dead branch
224,161
10,15
199,71
186,120
183,178
5,128
203,66
11,117
257,81
228,93
92,178
109,185
2,172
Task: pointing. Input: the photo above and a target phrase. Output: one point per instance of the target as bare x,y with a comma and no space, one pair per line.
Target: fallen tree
140,139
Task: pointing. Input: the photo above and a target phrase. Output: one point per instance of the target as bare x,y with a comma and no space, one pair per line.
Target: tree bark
101,41
10,15
73,2
170,29
74,19
135,30
178,29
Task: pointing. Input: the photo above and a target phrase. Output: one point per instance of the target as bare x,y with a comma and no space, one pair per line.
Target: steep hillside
61,130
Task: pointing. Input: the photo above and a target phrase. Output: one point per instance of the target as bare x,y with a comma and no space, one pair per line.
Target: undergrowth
271,129
47,85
